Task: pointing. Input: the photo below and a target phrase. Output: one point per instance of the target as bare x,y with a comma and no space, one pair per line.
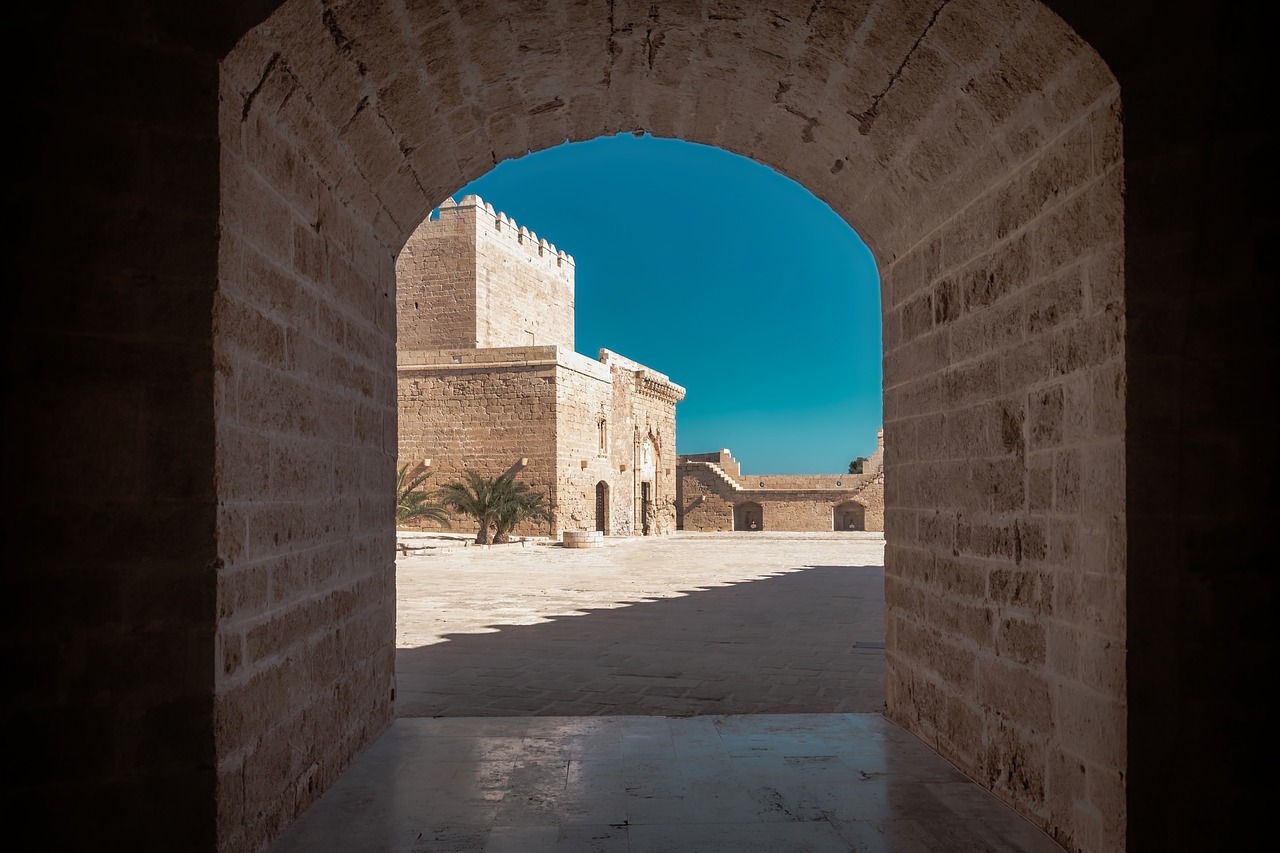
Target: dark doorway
748,516
602,507
646,507
849,515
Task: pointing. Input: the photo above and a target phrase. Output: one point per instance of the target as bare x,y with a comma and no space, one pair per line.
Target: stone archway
604,510
748,515
984,172
849,515
196,594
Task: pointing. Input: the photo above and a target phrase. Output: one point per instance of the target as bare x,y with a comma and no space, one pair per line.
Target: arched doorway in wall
646,485
990,271
602,507
748,515
849,515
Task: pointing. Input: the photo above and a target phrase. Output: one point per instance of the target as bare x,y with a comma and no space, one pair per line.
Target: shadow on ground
809,640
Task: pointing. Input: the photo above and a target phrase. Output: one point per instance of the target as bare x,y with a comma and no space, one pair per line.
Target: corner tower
473,278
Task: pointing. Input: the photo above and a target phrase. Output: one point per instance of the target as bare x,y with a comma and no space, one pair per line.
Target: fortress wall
798,511
523,284
474,278
643,411
435,290
700,505
720,457
1005,578
482,418
584,395
707,501
805,481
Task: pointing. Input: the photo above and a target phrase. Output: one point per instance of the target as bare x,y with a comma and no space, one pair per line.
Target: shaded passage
815,782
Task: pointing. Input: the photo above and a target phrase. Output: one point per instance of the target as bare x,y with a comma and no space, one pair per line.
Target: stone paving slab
687,625
803,782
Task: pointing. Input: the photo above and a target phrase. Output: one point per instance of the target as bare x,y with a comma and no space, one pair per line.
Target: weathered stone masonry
201,340
495,385
713,494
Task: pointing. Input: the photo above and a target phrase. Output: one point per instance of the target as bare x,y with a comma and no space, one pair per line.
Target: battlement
499,227
472,277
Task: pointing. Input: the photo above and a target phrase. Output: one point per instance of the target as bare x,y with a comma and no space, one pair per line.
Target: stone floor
691,624
766,783
643,697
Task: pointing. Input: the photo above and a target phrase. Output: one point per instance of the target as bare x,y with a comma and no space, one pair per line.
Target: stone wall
584,398
486,409
483,410
435,277
303,360
360,118
523,284
1004,421
644,410
474,278
710,485
706,501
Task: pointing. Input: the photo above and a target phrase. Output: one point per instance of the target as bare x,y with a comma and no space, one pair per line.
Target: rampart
485,282
713,494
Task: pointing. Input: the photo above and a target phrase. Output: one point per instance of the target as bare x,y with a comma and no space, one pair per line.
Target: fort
488,379
712,493
209,200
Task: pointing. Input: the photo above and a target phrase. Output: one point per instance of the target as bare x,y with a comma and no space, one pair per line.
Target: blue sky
730,278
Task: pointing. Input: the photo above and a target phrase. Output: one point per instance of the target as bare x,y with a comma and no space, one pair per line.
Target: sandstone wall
472,277
721,458
484,410
712,484
303,356
1005,471
584,398
703,501
644,402
523,284
707,499
436,304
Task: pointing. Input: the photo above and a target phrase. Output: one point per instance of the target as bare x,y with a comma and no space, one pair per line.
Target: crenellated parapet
473,277
506,232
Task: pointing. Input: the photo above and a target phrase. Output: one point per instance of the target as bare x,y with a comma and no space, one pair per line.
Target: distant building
488,379
712,493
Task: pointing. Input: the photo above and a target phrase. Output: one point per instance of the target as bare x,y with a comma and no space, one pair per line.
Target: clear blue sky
733,280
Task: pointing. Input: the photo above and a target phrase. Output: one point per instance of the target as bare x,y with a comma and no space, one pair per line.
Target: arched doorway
602,507
748,515
976,152
327,177
646,476
849,515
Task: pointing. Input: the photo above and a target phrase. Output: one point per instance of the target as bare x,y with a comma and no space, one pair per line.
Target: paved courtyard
635,698
686,625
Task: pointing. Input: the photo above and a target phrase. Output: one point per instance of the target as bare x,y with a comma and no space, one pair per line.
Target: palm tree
474,496
500,503
412,503
519,503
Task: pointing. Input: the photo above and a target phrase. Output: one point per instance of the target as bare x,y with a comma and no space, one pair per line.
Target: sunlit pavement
690,624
